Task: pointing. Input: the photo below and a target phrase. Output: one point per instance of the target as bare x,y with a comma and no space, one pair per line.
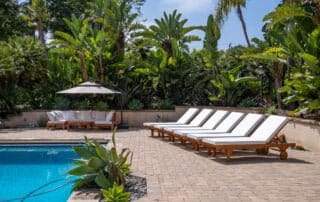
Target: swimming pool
35,173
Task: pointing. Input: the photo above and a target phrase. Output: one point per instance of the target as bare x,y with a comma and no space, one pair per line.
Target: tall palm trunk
40,30
83,68
243,24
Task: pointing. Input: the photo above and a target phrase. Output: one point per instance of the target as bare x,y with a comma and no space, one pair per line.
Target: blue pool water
36,173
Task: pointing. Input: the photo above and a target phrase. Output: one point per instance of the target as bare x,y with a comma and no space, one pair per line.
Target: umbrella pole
122,125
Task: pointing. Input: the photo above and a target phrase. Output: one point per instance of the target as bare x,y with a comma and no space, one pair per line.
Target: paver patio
176,173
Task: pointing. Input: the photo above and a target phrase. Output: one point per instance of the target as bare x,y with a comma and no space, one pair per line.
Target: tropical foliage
101,167
47,46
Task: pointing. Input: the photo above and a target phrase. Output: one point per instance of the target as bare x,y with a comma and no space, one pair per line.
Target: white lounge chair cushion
262,135
159,123
199,136
232,141
184,119
201,117
269,128
225,126
244,128
196,122
215,119
187,116
211,123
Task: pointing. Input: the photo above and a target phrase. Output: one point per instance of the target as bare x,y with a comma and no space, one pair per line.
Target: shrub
42,122
247,102
99,166
101,106
135,104
271,110
165,104
115,194
83,105
61,103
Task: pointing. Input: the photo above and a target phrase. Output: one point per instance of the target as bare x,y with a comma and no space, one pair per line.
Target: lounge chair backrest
269,128
215,119
109,116
201,117
229,122
247,124
187,116
51,116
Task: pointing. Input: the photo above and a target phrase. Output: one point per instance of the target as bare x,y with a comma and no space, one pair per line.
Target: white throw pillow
51,116
109,116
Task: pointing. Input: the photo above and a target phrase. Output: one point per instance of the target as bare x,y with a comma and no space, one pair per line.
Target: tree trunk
83,69
40,32
277,84
101,71
243,24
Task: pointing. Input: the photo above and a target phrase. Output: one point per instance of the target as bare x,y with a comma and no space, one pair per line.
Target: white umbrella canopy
89,88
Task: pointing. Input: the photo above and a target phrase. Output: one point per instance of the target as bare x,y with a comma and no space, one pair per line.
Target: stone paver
176,173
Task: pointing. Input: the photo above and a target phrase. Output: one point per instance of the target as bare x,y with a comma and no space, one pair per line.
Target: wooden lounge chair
224,127
196,122
109,122
244,128
263,138
54,120
184,119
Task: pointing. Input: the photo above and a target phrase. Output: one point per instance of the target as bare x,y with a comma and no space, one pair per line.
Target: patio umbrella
89,88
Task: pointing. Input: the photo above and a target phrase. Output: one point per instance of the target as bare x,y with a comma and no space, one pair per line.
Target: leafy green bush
42,122
83,105
101,106
99,166
115,194
61,103
247,102
165,104
271,110
135,104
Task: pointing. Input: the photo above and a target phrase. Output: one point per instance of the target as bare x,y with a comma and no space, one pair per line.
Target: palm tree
169,30
117,19
38,15
224,8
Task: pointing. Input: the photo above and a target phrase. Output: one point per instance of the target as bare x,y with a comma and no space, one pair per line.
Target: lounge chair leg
197,147
152,132
263,151
283,153
209,150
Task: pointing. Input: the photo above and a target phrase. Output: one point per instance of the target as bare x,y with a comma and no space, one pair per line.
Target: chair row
88,119
224,131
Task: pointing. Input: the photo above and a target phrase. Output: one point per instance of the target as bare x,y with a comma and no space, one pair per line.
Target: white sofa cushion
99,116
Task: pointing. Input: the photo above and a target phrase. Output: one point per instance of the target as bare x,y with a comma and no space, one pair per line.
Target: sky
197,11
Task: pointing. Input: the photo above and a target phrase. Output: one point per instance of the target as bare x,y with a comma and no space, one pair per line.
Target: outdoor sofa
86,119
